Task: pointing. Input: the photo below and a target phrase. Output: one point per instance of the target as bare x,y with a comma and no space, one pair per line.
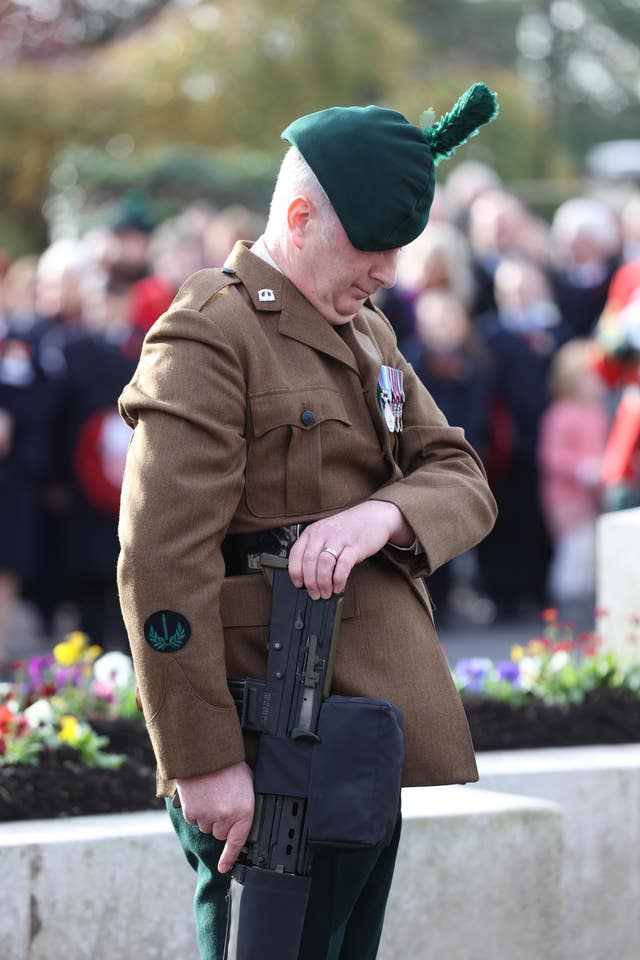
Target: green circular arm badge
167,631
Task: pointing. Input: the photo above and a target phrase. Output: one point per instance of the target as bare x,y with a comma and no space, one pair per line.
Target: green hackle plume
476,106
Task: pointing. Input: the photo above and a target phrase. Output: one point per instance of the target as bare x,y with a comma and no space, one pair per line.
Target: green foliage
91,748
23,750
225,78
228,77
171,176
516,145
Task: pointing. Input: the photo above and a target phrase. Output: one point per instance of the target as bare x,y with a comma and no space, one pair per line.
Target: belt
241,551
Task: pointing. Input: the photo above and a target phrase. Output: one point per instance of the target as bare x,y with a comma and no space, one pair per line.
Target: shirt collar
259,249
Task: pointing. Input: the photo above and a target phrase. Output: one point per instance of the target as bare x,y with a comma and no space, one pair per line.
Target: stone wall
618,580
598,790
538,861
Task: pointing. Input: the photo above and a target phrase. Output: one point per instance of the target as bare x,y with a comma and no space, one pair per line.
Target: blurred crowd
524,332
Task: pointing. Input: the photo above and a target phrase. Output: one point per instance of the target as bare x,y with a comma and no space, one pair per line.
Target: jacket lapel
299,320
369,360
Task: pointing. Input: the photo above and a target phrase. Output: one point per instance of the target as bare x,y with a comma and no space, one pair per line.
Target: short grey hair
591,216
296,178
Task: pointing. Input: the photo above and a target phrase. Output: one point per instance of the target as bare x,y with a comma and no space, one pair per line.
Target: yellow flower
66,653
77,639
517,653
94,652
69,728
75,647
535,648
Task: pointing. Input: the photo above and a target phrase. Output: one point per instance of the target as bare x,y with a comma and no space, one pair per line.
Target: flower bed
72,740
558,690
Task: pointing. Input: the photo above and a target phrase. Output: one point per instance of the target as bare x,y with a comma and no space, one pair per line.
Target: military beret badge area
167,631
378,169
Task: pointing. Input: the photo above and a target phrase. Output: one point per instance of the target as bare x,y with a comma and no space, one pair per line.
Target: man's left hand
326,552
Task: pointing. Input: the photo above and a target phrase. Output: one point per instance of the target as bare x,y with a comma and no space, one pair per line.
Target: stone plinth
95,888
618,580
478,876
598,789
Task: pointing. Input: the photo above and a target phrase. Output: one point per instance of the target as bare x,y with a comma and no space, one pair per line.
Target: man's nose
384,268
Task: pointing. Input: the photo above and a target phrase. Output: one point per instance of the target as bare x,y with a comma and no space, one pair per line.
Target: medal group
391,397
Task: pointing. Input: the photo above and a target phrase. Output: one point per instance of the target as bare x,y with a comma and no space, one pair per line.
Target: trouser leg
203,852
349,893
348,896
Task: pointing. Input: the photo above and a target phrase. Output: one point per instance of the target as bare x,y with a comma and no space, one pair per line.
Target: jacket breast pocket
296,440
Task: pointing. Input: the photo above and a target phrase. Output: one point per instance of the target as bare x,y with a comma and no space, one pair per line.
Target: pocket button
308,418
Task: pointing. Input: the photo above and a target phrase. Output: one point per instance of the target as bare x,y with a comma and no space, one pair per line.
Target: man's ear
298,216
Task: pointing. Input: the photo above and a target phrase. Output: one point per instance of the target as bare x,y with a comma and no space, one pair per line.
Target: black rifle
270,883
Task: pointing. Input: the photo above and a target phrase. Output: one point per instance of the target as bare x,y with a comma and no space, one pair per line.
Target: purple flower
64,675
36,667
508,670
472,672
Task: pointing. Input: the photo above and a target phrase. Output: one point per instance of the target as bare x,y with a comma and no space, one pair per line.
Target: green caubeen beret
378,169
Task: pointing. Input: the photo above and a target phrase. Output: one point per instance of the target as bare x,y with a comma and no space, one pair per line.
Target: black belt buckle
242,551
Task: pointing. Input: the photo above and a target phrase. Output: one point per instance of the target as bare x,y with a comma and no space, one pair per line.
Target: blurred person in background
454,366
618,364
522,335
84,333
500,226
27,401
586,245
18,294
178,246
466,182
131,232
226,228
452,362
439,259
630,226
58,320
573,434
89,452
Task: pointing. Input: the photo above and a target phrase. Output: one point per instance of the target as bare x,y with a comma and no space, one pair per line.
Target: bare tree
42,29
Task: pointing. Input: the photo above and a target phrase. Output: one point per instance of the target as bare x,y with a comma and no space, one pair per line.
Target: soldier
272,394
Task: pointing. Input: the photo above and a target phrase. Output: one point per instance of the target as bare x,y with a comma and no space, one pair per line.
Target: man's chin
346,311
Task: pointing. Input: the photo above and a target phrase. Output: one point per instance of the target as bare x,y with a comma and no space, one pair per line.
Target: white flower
558,661
116,667
39,714
529,672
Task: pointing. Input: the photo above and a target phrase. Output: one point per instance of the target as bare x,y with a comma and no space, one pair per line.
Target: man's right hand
221,803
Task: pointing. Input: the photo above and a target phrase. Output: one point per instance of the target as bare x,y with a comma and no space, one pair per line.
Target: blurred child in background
573,433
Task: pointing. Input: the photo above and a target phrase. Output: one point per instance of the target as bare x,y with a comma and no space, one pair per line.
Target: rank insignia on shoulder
167,631
266,295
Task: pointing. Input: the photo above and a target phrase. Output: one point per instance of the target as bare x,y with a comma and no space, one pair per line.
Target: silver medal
389,417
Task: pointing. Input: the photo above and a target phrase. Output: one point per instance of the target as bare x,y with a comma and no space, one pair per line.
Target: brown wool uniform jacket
219,446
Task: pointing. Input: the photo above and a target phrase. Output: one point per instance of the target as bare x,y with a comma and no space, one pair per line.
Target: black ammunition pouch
350,772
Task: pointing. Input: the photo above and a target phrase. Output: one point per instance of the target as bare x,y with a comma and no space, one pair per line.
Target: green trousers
348,897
